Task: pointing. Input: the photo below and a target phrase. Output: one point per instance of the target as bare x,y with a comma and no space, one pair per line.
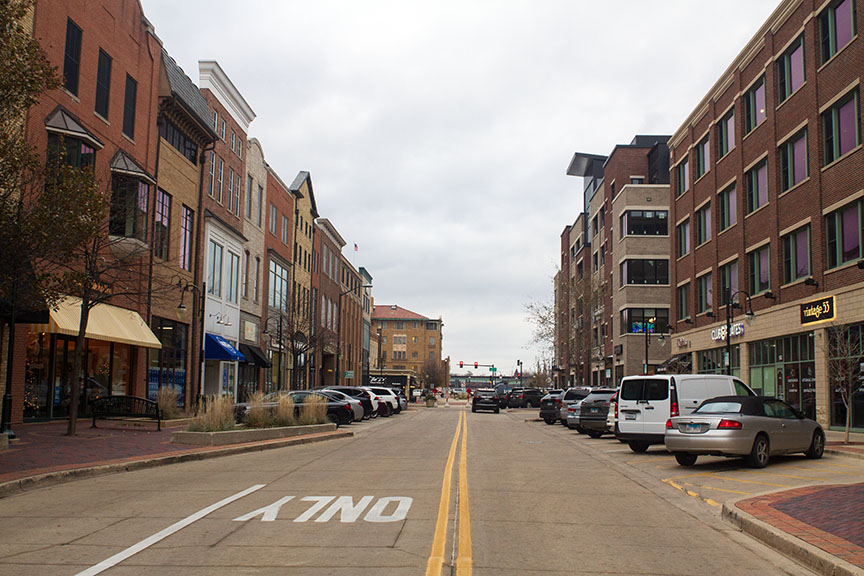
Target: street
522,498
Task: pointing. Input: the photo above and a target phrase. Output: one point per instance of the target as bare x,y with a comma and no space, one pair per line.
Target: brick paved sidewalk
828,517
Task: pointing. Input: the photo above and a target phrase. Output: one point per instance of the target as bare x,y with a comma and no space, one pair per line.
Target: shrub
215,413
258,416
284,415
167,402
313,410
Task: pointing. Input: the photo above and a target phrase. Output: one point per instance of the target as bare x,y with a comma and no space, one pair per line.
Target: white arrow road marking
159,536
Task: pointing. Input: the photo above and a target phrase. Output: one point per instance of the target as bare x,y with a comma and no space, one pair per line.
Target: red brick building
767,184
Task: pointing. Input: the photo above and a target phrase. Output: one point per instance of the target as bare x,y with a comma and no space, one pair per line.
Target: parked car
339,412
612,415
403,400
550,406
366,398
570,396
645,403
387,397
524,398
502,390
356,405
755,427
593,411
485,399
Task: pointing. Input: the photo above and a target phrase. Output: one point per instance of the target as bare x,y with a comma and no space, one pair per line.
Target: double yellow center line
464,561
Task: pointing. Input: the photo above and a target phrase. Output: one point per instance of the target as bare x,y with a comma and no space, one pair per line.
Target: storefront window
784,367
846,371
714,361
168,364
37,383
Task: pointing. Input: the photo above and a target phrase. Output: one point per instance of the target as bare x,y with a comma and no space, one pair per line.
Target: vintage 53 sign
820,310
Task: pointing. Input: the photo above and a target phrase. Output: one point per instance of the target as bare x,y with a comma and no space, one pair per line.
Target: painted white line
176,527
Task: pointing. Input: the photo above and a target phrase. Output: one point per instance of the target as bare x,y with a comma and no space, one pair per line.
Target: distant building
407,342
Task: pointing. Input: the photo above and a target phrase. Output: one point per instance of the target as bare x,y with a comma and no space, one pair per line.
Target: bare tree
845,351
434,374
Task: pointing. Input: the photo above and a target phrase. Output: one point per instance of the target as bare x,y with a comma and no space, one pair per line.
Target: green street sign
492,369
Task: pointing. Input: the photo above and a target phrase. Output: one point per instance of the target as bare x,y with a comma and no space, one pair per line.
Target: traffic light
476,364
460,364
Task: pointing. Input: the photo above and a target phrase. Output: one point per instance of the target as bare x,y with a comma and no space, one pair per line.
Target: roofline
330,230
212,77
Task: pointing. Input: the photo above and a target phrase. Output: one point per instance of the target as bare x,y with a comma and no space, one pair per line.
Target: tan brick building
408,341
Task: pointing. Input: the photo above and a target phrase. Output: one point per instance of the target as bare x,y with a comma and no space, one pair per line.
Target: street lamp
339,331
200,292
647,328
729,306
279,338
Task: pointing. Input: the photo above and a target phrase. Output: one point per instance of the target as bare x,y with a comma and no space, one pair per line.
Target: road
521,498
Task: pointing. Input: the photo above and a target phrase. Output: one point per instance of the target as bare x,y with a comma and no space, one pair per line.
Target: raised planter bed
243,435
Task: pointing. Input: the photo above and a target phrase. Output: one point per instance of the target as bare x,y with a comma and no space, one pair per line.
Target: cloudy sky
438,133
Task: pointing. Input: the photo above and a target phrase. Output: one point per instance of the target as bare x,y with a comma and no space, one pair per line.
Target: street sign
349,374
493,369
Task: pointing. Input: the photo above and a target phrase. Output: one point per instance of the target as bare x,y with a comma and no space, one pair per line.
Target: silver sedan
754,427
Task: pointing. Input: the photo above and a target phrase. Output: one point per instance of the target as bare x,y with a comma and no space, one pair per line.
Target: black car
550,406
593,412
502,390
339,412
524,398
361,395
485,399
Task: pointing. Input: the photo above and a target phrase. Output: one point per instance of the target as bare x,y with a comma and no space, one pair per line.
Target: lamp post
647,328
281,354
200,292
339,332
729,294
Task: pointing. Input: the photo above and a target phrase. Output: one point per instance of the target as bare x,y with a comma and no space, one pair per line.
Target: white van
646,402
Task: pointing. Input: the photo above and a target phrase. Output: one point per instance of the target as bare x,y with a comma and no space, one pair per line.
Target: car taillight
729,425
572,408
674,409
616,410
669,424
557,402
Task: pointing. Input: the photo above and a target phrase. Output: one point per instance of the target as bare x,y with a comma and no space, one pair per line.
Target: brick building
767,183
406,341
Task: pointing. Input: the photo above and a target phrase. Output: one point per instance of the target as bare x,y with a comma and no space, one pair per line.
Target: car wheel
579,429
386,410
550,421
638,447
817,445
497,410
473,409
594,433
333,419
760,453
685,459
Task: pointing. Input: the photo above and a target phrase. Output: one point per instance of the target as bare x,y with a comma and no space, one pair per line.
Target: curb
28,483
844,453
805,554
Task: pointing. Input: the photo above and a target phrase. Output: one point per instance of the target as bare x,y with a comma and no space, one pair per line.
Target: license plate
692,428
594,410
629,415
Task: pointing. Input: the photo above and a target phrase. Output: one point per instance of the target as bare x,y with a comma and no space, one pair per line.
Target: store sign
736,330
818,310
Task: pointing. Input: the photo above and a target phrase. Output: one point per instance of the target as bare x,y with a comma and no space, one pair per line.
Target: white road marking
268,513
159,536
376,514
345,505
322,501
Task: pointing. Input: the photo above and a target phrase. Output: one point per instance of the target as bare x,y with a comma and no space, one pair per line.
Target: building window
273,219
74,152
683,301
727,207
841,130
187,228
790,70
72,57
703,224
222,130
793,160
703,157
637,180
212,173
233,140
237,195
683,174
214,269
757,186
684,238
219,181
230,189
215,120
103,84
645,272
178,140
257,277
754,105
161,227
240,148
129,207
249,196
726,134
641,320
836,28
759,264
285,230
728,280
796,255
645,223
129,101
277,296
259,205
705,295
843,230
233,277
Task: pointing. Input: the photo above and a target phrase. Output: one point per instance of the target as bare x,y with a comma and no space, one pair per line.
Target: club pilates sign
821,310
735,330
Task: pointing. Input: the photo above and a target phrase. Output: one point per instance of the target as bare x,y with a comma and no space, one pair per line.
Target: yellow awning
106,322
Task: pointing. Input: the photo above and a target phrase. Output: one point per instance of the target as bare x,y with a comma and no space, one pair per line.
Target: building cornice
212,77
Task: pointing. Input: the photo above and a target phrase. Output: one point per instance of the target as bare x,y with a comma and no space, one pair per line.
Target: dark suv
485,399
524,398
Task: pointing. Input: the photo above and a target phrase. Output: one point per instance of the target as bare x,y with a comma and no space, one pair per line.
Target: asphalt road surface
431,491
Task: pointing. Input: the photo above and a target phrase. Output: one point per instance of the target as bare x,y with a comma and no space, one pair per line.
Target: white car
387,396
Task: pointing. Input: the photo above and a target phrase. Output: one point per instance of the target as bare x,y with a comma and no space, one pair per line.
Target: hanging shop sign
821,310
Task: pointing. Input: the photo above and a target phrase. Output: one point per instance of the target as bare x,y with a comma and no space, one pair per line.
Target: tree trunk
847,401
77,362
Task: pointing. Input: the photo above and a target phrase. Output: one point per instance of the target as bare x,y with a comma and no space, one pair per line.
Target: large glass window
645,272
845,362
103,84
273,219
841,127
129,207
72,57
187,228
754,105
759,274
703,157
168,364
645,223
162,224
641,320
705,294
836,27
843,230
757,186
214,268
728,280
726,134
684,238
790,69
727,207
71,151
793,160
796,255
683,301
278,287
233,277
683,177
703,224
129,101
179,140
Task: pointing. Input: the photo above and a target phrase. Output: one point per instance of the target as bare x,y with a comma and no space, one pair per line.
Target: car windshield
719,408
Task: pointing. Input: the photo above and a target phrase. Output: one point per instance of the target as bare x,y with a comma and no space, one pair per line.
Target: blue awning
217,348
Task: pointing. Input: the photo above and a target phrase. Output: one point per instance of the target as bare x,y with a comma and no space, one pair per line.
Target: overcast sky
438,133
